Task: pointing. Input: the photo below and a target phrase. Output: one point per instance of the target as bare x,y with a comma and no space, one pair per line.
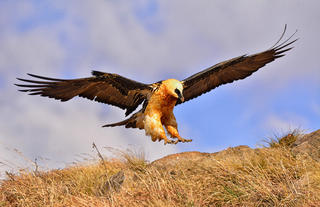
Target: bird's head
174,88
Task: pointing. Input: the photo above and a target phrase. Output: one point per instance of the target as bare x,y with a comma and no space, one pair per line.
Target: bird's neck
161,100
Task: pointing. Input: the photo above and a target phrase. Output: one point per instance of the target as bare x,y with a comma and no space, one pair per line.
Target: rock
115,181
310,144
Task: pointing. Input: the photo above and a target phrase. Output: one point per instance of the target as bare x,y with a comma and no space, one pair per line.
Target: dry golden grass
287,140
238,176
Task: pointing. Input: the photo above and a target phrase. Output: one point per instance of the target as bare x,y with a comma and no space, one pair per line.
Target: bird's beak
181,98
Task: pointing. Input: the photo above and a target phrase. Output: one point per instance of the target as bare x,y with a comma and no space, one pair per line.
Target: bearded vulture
157,99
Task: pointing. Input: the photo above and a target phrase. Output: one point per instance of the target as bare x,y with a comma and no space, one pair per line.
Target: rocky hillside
285,173
310,144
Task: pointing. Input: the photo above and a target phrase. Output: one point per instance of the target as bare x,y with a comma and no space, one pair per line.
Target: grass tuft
288,140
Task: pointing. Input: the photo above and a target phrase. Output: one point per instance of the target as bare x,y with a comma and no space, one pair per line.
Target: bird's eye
177,92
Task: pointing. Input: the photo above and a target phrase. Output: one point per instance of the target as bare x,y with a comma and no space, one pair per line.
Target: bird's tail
124,122
135,121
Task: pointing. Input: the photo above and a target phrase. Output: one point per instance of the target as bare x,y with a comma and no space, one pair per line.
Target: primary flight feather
157,99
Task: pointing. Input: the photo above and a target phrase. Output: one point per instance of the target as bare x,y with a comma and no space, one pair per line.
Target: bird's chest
161,104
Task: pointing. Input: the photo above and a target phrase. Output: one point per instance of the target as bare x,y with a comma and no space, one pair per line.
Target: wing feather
106,88
232,70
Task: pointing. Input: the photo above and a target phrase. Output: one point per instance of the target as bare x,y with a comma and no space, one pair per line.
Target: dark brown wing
102,87
231,70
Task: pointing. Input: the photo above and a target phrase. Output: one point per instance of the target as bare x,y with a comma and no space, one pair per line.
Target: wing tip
279,45
113,125
23,90
45,78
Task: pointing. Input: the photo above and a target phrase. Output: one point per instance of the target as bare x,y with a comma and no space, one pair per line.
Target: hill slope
285,174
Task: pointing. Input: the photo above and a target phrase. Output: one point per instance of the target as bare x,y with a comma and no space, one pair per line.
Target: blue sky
150,41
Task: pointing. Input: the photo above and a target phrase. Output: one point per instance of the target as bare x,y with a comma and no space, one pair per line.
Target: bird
157,99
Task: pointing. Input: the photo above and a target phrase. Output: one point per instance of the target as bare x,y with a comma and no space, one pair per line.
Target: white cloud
22,10
283,123
37,51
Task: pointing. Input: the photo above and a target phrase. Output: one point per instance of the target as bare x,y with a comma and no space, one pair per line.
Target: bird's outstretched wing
102,87
233,69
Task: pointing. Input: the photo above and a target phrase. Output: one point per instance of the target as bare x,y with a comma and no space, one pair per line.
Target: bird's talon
185,140
168,141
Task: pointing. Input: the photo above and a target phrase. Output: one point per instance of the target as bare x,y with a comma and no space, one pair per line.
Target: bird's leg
171,125
154,128
161,135
173,131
